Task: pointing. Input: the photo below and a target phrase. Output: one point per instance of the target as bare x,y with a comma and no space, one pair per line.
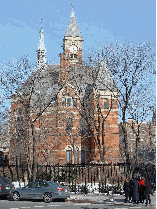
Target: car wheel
47,197
16,196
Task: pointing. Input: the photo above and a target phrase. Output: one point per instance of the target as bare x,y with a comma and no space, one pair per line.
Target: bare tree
23,85
132,65
96,103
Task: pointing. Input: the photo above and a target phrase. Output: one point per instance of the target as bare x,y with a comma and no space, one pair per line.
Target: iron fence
73,175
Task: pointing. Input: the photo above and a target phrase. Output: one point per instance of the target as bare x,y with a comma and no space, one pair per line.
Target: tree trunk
34,154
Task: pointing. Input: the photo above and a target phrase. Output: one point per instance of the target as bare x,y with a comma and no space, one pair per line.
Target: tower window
75,55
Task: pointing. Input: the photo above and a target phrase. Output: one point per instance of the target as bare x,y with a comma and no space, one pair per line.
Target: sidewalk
103,198
95,197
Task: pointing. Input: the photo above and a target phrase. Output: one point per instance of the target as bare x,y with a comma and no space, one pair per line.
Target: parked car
5,186
46,190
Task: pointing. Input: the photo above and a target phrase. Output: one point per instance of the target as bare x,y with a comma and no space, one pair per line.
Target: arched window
76,155
83,156
69,155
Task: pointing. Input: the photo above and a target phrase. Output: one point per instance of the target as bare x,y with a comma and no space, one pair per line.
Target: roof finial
41,22
72,13
73,4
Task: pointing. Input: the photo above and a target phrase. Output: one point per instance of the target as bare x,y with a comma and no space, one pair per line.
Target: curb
105,202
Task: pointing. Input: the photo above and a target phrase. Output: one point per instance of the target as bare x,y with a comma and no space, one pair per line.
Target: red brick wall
52,137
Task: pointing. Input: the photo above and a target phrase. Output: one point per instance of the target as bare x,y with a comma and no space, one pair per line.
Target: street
82,202
6,204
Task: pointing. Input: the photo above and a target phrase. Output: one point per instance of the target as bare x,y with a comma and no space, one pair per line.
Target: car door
28,191
40,189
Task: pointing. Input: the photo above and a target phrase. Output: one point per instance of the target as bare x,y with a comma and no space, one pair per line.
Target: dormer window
74,102
68,102
63,102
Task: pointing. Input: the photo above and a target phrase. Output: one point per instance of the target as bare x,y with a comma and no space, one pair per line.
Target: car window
42,184
6,180
46,184
30,185
38,185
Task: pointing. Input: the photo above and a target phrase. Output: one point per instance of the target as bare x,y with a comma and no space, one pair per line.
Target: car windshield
6,180
54,183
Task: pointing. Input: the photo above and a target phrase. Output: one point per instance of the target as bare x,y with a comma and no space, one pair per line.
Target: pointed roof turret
41,50
73,29
41,44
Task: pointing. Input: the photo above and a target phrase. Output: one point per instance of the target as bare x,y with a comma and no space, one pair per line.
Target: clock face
73,49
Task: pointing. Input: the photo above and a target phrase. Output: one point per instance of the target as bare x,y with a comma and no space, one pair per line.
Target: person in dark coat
147,192
126,189
135,191
131,189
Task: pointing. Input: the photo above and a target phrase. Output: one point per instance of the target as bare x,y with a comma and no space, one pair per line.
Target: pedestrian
135,191
130,189
141,190
126,189
147,192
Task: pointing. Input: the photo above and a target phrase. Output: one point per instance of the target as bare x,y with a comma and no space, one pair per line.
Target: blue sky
98,20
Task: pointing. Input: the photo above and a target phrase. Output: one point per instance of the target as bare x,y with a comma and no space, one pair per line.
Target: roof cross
72,13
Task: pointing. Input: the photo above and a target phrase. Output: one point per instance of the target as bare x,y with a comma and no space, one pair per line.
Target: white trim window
63,102
69,102
106,104
69,156
74,102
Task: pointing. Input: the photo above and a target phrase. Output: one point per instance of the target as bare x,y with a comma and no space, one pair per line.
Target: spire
73,29
41,50
41,45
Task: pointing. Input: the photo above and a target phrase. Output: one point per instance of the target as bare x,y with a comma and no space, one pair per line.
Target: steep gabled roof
104,79
44,85
46,88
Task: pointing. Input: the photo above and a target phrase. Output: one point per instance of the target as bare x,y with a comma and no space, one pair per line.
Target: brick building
141,140
66,113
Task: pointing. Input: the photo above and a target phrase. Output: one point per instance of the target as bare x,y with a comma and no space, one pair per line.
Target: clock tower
72,44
